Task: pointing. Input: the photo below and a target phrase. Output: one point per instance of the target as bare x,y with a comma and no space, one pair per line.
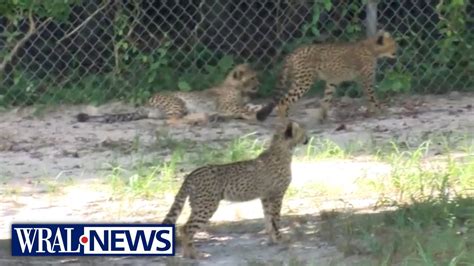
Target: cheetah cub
228,100
334,63
266,177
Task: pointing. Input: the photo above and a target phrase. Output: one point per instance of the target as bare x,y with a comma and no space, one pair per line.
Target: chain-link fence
94,51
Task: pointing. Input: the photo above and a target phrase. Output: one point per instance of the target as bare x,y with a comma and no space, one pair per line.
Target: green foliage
210,75
243,148
432,58
430,216
433,232
16,9
456,47
312,27
350,32
184,86
136,73
268,80
25,89
445,63
395,82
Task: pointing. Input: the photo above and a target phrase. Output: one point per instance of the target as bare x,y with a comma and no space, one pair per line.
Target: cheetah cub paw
253,108
376,111
272,241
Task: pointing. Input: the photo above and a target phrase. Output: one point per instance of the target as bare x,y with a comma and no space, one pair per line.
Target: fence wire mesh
96,51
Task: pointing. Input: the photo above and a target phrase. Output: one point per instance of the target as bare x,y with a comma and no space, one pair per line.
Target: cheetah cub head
291,134
244,78
384,45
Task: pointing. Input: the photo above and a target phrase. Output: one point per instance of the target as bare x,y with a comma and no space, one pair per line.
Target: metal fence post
371,17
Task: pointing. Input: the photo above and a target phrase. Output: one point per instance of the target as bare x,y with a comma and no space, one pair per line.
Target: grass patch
242,148
417,174
322,148
156,178
148,179
430,232
9,191
145,179
426,202
433,220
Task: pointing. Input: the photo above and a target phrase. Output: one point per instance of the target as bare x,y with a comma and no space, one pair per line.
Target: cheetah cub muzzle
266,177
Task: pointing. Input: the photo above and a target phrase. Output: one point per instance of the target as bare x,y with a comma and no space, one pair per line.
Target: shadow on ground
229,243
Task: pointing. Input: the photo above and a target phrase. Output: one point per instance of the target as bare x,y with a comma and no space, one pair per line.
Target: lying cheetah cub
226,101
266,177
334,63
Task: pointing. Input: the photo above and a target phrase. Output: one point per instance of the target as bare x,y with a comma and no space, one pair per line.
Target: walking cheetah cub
266,177
334,63
227,101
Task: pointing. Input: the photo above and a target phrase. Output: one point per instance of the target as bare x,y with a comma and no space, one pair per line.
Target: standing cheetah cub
266,177
334,63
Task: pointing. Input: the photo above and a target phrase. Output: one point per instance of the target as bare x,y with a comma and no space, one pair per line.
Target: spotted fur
266,177
227,100
334,63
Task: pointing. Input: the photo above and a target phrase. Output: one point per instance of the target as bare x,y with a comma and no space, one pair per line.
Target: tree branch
32,29
83,23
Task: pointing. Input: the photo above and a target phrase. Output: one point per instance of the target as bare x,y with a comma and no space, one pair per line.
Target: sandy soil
38,148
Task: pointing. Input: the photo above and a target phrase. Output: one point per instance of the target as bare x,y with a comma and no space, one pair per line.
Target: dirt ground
40,147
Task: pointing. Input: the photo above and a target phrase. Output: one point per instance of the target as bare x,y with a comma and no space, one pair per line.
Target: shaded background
96,51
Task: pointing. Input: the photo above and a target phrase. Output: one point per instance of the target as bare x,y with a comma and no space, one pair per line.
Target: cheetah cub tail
177,206
113,118
82,117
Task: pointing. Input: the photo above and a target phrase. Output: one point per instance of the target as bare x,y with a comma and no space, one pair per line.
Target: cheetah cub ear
238,74
381,36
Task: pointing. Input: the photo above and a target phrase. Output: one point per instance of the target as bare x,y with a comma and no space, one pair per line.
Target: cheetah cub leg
174,122
196,119
271,209
367,83
329,91
201,212
189,251
283,111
